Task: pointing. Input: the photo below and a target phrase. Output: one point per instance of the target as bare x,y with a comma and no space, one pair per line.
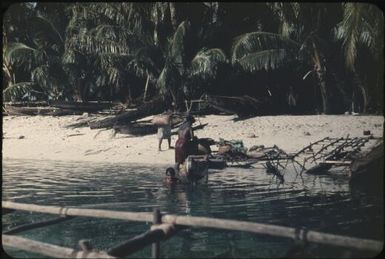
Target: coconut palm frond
45,26
161,83
169,79
255,42
348,31
17,91
113,75
90,44
41,76
205,62
116,13
147,60
266,59
69,57
262,50
159,11
177,50
359,27
17,51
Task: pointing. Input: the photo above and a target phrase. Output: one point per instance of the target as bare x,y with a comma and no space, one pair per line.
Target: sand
44,137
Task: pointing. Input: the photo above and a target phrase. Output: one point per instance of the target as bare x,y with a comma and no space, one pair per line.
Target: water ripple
317,202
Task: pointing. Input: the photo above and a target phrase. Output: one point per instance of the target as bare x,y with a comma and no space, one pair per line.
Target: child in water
170,177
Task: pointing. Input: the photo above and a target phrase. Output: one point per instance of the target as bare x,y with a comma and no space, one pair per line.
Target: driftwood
318,169
27,104
82,106
235,225
147,109
48,249
17,110
83,122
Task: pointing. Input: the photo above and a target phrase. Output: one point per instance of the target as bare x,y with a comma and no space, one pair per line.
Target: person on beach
183,144
164,132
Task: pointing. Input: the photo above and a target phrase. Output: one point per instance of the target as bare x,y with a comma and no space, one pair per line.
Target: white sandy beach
44,137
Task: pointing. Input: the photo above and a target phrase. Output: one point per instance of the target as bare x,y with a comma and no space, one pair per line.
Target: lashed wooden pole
157,233
68,211
235,225
280,231
157,219
48,249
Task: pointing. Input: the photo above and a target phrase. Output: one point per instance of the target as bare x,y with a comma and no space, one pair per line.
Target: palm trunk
324,94
146,87
215,6
320,71
174,21
363,90
129,93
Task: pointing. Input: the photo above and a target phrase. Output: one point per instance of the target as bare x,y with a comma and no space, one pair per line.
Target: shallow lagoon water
323,203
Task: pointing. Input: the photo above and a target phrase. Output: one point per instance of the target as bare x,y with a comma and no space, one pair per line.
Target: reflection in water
323,203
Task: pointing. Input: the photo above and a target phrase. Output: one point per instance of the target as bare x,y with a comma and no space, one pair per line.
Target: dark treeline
296,57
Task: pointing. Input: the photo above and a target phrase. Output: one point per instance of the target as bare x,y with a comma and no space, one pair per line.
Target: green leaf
16,51
16,91
257,50
205,62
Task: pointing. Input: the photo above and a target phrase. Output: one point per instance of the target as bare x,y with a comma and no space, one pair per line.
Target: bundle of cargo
194,169
162,119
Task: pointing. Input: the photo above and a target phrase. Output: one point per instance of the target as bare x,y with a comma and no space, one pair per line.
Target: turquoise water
322,203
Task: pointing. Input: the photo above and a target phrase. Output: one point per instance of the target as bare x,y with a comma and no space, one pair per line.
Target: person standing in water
183,143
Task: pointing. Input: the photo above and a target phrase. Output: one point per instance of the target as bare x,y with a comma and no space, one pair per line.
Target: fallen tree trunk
156,106
84,107
19,110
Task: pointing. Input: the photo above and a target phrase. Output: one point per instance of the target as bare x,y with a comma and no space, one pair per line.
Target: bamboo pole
267,229
68,211
157,219
258,228
138,242
48,249
337,162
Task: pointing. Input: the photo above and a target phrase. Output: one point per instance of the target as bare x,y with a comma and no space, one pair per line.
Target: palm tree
179,70
299,37
147,63
37,60
362,26
107,36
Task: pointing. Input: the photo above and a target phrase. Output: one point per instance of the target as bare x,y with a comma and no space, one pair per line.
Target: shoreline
44,137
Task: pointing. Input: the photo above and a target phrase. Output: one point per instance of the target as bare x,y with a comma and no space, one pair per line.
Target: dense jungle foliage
298,57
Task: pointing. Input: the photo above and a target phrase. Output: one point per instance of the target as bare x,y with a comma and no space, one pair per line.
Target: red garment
181,145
